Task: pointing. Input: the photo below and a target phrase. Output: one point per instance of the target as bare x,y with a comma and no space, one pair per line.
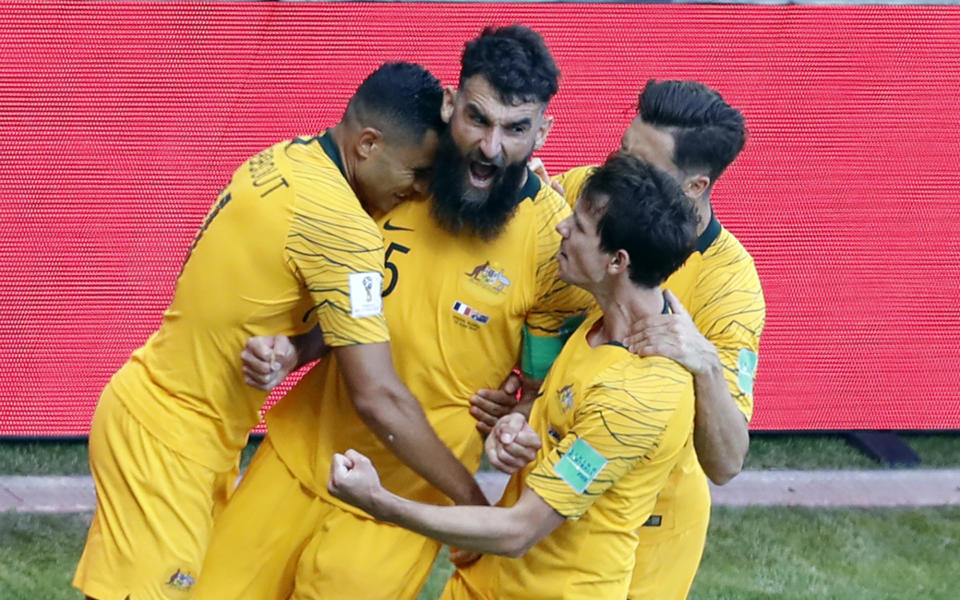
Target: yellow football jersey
720,288
285,246
456,306
612,427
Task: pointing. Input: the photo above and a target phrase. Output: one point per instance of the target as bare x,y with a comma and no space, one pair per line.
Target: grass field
767,451
753,553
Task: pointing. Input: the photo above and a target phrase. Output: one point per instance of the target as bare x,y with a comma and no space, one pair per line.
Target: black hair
645,213
399,99
708,133
515,61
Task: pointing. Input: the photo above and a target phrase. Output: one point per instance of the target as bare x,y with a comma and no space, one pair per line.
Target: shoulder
573,182
726,263
645,377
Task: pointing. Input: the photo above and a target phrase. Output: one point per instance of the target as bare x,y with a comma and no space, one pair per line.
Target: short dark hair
399,99
646,213
515,61
708,133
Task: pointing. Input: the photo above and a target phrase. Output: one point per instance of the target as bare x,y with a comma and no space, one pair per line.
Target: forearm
720,432
310,346
484,529
399,421
528,394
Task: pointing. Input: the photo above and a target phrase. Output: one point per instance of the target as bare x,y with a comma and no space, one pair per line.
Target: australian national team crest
181,580
566,398
490,275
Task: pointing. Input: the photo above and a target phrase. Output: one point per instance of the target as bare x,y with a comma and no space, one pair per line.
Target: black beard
459,208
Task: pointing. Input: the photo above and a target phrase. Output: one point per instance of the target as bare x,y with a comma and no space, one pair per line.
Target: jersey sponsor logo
746,370
391,227
566,398
365,294
490,276
181,580
462,309
580,465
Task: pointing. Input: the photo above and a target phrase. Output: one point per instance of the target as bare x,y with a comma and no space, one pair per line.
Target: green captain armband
539,351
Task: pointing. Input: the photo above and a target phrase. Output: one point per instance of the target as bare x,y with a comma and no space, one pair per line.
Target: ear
368,142
542,131
449,103
696,186
619,262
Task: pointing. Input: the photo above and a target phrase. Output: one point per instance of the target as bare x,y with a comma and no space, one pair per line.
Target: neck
704,212
623,304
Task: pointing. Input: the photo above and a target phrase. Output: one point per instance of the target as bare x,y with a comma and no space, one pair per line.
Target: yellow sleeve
572,182
617,426
338,251
731,312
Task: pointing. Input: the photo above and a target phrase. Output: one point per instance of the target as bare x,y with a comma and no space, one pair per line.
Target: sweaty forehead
477,94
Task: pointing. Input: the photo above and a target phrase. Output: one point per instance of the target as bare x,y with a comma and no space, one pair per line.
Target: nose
492,143
563,227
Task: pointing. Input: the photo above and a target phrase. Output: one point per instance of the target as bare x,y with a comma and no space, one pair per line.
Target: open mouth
482,174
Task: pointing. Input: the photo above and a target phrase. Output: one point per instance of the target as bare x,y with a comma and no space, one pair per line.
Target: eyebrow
520,123
477,111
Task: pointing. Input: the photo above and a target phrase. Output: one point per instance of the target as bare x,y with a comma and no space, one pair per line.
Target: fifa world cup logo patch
181,580
368,287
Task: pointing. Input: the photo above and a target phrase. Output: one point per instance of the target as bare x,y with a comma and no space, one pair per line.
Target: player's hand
512,444
540,170
268,360
354,480
674,336
486,406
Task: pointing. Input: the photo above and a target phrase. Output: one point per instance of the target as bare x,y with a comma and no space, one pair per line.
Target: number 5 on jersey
394,274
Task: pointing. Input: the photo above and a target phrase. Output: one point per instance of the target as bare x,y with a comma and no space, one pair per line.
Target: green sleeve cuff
539,352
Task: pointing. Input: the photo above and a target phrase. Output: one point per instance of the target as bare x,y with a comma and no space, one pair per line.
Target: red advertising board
119,122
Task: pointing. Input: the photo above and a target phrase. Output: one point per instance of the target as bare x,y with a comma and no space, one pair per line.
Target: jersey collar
326,142
531,188
709,234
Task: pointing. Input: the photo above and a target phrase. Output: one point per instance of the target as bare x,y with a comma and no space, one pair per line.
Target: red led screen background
119,122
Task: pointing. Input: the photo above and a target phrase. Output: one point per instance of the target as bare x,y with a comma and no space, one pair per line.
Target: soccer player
612,424
688,130
290,244
469,269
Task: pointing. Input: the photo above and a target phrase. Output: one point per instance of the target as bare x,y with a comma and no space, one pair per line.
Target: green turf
849,554
767,451
21,457
835,554
38,554
805,452
832,451
752,554
936,450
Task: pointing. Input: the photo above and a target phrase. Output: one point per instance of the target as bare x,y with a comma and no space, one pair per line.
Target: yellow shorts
278,540
671,545
475,582
155,510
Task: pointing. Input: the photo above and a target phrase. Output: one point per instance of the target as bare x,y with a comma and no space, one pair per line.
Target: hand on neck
622,306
